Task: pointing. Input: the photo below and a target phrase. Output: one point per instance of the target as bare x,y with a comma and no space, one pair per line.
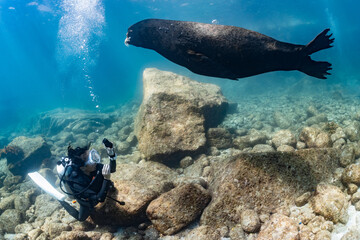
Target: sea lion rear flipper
315,69
321,41
213,68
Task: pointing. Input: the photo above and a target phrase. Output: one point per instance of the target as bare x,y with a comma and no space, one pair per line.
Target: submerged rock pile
259,174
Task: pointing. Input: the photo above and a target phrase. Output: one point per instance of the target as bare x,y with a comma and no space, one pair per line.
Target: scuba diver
85,178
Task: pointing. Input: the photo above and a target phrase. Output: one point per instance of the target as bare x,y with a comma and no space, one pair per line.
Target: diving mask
93,158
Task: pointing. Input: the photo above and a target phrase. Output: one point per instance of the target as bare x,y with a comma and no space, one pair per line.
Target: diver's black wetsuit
88,190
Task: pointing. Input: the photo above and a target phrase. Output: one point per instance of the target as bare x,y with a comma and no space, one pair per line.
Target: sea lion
227,51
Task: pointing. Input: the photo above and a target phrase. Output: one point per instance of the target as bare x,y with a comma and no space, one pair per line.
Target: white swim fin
46,186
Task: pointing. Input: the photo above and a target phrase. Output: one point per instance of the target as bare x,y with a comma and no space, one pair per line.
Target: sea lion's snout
127,41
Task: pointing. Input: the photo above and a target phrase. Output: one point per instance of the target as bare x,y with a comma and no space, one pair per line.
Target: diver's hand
109,148
106,171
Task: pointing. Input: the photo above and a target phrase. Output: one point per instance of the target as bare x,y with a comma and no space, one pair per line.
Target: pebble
250,221
303,199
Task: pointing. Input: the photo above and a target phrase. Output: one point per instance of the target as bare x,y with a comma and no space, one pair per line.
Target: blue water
71,53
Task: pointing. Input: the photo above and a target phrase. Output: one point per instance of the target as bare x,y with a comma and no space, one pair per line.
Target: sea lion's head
142,34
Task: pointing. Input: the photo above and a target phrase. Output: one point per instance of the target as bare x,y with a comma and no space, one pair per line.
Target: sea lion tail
320,42
315,69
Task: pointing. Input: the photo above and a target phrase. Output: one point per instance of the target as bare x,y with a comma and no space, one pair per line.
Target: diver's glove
106,171
109,149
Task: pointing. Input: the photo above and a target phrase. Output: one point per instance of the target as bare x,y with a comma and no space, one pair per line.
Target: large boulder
174,115
136,185
26,154
175,209
264,182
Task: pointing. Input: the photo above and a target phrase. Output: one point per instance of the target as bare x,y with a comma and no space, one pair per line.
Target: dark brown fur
227,51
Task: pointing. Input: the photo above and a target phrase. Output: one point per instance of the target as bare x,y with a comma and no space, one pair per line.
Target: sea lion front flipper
195,56
213,67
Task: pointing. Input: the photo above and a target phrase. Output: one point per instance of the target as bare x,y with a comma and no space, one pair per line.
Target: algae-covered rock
331,203
9,219
174,114
177,208
265,181
279,227
33,151
219,138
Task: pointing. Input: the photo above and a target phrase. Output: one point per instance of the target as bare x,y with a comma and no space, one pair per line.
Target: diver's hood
93,158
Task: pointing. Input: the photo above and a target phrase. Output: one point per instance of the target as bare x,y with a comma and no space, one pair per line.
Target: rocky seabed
192,165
